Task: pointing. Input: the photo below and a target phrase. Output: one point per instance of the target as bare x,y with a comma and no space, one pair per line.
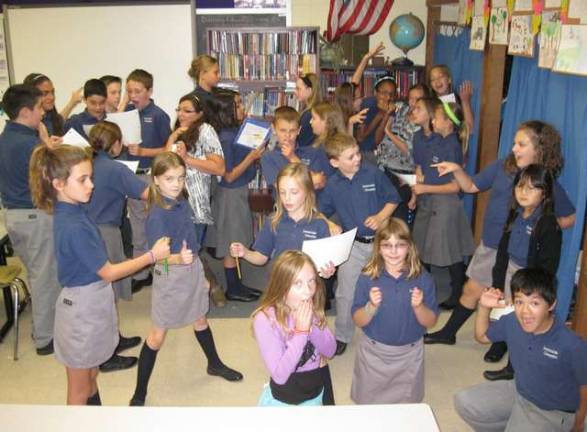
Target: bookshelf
405,77
263,63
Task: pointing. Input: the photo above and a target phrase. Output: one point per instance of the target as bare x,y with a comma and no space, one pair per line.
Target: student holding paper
113,183
394,303
155,129
95,100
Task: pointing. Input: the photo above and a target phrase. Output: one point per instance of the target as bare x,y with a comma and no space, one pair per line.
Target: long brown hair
311,80
399,229
162,163
57,122
285,269
192,134
103,135
47,165
344,96
334,122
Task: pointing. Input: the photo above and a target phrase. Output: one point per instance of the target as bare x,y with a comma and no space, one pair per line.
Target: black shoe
254,291
246,298
495,353
438,338
137,285
225,372
327,305
46,350
502,374
340,348
136,402
447,305
125,343
116,363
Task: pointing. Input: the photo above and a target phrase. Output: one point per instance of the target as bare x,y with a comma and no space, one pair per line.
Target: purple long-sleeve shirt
281,353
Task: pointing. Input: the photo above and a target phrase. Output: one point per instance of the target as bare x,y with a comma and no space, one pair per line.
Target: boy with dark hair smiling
549,392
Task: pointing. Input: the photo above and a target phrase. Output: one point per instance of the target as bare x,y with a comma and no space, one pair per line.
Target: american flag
363,17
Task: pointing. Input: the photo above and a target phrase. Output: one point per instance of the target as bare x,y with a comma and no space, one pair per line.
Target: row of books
263,103
265,67
290,42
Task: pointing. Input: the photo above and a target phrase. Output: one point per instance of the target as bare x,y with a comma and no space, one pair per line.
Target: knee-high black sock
457,280
328,394
206,341
232,285
458,317
146,364
94,399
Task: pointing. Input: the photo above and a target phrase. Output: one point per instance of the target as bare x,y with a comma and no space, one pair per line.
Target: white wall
73,44
315,13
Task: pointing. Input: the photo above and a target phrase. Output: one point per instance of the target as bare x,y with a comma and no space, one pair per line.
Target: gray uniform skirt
442,232
86,325
113,241
232,219
385,374
180,296
481,266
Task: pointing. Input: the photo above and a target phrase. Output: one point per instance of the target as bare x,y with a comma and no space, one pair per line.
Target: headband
38,77
451,114
385,78
306,81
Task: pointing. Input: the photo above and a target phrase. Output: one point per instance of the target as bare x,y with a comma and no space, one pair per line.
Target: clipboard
253,133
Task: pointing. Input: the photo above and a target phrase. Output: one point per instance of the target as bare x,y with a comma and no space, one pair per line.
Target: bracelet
370,310
153,260
296,331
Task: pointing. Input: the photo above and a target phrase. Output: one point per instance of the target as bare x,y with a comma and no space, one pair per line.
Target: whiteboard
73,44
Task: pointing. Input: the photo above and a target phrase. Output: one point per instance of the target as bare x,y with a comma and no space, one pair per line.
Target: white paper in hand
131,165
409,179
497,313
448,98
253,133
130,125
74,138
336,248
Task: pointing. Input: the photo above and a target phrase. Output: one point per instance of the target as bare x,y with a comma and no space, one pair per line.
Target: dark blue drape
539,94
464,65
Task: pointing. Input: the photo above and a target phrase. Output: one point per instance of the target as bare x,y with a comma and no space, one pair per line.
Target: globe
406,32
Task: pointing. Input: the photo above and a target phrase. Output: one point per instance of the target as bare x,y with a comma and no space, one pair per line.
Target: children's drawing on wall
478,33
498,26
521,38
523,5
550,36
572,51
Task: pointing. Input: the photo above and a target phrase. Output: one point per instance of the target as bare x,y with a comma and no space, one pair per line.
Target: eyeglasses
390,247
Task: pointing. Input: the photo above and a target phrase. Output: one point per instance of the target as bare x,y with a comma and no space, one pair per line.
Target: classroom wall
73,44
315,13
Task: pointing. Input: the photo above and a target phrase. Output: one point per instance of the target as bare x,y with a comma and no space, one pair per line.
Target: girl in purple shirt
290,328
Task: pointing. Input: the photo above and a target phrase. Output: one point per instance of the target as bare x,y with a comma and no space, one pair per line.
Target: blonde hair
462,128
315,96
47,165
285,269
338,143
286,113
103,135
162,163
399,229
301,174
201,64
334,121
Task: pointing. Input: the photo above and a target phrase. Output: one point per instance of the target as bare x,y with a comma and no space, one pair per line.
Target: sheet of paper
449,13
497,313
479,6
448,98
336,248
523,5
552,4
131,165
499,3
74,138
130,125
252,135
87,129
409,179
578,9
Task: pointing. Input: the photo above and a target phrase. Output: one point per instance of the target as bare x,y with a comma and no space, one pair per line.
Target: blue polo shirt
494,176
520,236
234,154
17,143
79,249
48,124
354,200
289,235
113,183
395,322
155,129
549,367
202,94
78,121
433,149
306,136
315,158
177,223
368,143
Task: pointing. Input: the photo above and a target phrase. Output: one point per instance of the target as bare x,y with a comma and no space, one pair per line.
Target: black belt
143,171
366,240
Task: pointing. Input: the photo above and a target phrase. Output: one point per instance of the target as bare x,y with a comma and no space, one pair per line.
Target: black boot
457,280
507,373
496,352
215,365
95,399
447,335
146,364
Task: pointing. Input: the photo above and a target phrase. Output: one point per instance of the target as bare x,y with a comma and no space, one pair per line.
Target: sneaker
116,363
125,343
46,350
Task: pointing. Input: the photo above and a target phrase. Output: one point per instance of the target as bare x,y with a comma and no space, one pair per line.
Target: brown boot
216,291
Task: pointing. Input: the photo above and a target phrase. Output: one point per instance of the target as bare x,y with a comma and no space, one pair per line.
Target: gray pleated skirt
232,219
180,296
86,325
481,266
113,240
386,374
442,231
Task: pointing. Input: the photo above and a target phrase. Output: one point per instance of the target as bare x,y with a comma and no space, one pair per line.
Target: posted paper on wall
336,248
130,125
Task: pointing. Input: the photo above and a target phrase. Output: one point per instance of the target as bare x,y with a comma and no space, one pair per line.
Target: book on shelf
264,102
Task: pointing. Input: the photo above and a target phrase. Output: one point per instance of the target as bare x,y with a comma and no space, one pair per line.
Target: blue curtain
464,65
558,99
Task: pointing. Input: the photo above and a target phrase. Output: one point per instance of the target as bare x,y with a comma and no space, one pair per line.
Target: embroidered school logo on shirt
529,229
369,187
305,161
550,353
148,119
435,159
310,234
